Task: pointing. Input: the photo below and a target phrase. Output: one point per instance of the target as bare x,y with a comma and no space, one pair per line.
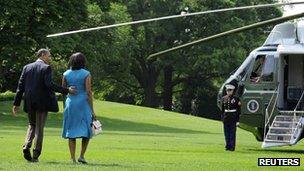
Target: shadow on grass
54,120
122,125
87,165
149,134
279,151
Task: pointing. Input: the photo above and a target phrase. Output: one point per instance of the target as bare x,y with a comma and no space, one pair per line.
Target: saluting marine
230,116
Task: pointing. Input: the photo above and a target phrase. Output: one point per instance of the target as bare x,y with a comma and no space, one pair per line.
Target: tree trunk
150,96
168,88
186,97
147,74
186,103
147,80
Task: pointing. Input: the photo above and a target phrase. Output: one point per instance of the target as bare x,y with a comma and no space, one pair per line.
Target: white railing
295,109
267,116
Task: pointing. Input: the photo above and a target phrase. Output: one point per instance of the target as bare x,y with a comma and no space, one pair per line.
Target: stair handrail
295,109
267,117
271,99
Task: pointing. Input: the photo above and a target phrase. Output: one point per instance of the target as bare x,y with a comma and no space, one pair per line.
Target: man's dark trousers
35,129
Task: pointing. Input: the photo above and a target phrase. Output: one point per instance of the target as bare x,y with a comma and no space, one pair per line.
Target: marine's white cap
230,87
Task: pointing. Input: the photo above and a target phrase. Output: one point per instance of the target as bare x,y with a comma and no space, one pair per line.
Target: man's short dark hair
77,61
41,52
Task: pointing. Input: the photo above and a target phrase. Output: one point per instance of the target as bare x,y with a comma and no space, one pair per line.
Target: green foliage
58,68
7,96
24,25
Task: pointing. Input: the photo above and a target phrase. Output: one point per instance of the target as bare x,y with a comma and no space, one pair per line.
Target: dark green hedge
9,96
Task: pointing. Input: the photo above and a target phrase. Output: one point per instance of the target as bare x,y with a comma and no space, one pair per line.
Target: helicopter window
268,68
256,73
262,69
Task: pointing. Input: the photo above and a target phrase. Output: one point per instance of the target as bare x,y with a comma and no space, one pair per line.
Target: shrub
7,96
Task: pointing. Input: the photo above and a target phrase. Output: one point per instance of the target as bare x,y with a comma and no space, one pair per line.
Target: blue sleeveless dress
77,117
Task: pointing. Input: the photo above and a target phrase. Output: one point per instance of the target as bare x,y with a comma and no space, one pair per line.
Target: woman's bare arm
90,94
64,84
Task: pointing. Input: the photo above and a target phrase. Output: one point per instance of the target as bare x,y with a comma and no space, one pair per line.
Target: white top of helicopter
282,34
288,36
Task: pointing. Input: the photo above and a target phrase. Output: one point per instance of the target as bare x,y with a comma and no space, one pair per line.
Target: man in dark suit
39,98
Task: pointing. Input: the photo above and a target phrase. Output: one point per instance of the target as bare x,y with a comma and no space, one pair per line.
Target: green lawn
137,138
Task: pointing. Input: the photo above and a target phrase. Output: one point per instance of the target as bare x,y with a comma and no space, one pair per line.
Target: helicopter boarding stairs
286,127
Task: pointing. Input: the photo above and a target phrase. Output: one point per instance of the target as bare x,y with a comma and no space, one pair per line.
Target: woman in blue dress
78,111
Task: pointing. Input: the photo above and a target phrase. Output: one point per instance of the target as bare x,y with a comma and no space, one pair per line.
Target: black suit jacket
38,88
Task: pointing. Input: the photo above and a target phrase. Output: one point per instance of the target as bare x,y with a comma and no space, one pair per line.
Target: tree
23,29
157,81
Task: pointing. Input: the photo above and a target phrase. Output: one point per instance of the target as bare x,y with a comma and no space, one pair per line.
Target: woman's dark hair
77,61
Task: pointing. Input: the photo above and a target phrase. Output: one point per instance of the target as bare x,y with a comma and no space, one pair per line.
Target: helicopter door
293,80
259,87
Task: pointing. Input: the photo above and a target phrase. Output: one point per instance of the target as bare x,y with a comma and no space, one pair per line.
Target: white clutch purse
96,127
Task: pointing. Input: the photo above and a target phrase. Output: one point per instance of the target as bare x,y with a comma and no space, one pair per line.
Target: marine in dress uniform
230,116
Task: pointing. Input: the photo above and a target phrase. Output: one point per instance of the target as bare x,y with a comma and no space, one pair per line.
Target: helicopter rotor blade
237,30
175,16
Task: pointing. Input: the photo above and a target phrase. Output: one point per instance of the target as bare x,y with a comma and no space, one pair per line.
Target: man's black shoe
34,160
36,154
27,154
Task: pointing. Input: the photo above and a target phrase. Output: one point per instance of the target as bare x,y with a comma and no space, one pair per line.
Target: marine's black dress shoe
27,154
230,149
82,160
